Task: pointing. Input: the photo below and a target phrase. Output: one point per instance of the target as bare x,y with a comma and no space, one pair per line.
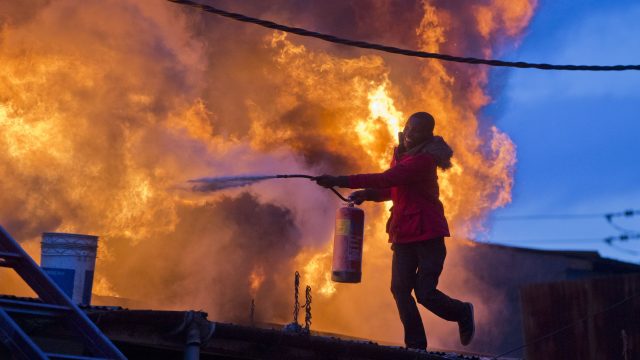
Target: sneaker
417,347
467,326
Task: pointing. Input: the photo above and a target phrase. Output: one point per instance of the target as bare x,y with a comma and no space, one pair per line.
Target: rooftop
165,334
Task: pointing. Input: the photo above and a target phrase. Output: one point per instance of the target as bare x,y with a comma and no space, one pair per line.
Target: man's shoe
417,346
467,326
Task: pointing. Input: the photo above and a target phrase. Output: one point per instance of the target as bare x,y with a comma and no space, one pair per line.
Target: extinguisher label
347,242
355,250
343,227
347,252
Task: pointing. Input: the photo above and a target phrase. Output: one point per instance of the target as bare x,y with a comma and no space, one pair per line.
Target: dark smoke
208,260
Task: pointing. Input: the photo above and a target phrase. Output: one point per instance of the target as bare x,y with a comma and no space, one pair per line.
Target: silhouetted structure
508,270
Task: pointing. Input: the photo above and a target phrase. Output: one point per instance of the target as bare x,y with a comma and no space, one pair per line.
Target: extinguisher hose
303,176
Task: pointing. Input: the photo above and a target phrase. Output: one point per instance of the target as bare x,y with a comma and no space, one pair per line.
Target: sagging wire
624,237
608,240
627,234
400,51
608,216
627,213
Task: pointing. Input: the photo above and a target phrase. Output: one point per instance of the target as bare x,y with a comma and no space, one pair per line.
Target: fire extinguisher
347,240
347,244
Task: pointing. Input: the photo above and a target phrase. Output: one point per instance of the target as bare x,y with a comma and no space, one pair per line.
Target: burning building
106,106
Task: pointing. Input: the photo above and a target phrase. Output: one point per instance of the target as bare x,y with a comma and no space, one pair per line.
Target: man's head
418,129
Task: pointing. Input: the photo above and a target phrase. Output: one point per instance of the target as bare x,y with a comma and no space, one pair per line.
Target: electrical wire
623,237
627,234
623,249
608,240
608,216
627,213
548,217
575,240
400,51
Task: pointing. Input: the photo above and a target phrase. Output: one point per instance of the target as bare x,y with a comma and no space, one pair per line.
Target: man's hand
329,181
360,196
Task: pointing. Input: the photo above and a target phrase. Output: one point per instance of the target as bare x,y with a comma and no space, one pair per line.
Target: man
417,227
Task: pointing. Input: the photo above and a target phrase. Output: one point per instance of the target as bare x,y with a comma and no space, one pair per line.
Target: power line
623,237
548,217
569,240
621,228
627,233
608,239
607,216
626,213
400,51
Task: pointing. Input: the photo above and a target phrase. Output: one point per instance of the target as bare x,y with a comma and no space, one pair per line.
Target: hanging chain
294,326
296,304
307,309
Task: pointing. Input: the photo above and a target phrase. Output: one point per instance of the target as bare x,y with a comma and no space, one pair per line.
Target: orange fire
106,106
256,278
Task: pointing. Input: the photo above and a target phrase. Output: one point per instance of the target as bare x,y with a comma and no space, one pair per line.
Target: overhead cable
627,213
400,51
550,240
608,239
608,216
623,237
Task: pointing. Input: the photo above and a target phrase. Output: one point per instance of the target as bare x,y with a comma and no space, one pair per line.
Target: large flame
106,105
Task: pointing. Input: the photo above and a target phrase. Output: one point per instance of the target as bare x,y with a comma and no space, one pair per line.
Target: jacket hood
436,147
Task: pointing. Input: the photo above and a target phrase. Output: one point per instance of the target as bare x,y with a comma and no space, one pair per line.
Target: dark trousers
417,266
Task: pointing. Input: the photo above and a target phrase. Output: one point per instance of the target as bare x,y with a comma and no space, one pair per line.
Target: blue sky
577,133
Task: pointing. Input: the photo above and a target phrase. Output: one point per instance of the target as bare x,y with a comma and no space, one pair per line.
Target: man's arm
405,172
378,195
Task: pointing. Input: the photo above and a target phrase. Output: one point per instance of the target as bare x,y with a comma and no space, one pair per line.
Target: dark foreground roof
146,334
237,341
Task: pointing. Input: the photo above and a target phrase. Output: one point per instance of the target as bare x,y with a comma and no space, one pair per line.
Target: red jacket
412,184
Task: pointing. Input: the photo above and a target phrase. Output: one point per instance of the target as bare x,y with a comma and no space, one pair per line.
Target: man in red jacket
417,227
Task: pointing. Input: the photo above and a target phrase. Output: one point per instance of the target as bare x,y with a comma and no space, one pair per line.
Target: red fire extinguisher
347,245
347,240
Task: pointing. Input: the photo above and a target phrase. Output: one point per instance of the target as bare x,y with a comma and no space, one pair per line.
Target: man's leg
403,279
431,255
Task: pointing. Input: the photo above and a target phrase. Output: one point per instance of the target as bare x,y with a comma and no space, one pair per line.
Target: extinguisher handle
340,195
